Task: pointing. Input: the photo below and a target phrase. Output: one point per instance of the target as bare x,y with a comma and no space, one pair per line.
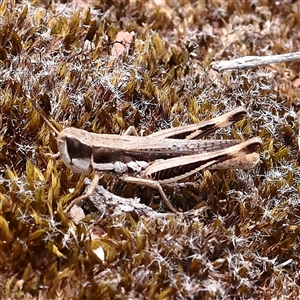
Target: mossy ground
244,244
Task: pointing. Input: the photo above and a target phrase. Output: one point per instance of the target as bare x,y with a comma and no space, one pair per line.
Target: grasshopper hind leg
153,184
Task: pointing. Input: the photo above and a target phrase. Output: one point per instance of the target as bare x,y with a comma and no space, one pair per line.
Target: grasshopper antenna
42,115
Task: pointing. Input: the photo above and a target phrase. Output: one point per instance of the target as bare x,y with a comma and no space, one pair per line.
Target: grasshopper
161,158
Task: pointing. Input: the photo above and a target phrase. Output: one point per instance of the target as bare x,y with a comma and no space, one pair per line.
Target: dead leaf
122,43
76,214
296,82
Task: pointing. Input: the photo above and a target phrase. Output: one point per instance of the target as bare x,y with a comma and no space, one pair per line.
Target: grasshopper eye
76,149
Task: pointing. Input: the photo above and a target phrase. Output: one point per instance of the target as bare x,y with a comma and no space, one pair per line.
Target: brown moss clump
244,243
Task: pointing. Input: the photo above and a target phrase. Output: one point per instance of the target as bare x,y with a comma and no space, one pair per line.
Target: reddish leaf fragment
79,3
296,82
122,43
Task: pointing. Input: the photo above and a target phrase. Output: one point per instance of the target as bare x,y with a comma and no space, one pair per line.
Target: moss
244,241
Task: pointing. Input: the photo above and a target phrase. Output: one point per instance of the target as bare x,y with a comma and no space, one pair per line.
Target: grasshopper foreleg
89,192
56,155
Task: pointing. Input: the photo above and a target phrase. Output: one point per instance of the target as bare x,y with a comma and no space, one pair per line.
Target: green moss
243,242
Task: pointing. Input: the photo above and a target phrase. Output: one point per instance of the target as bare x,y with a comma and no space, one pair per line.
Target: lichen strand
244,241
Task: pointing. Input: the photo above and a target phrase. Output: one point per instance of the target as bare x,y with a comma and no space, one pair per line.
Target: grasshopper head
75,154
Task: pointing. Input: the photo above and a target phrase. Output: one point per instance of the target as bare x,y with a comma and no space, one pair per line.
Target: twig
108,203
253,61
